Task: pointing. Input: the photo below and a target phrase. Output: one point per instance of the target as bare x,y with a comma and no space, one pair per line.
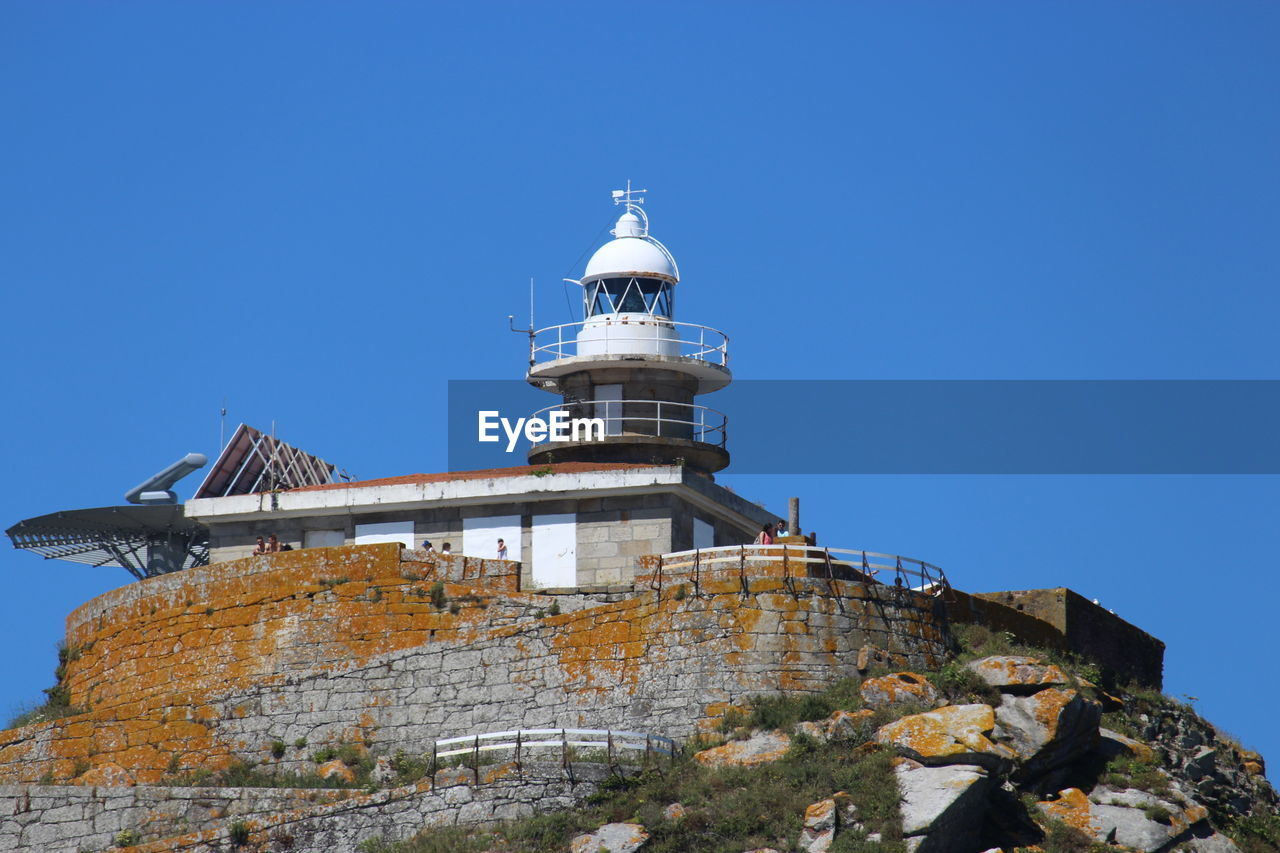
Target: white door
704,535
609,407
480,536
389,531
555,550
323,538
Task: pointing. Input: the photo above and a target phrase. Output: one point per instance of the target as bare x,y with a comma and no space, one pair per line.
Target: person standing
765,536
502,550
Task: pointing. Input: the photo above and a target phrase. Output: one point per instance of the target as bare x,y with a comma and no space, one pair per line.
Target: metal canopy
255,462
144,540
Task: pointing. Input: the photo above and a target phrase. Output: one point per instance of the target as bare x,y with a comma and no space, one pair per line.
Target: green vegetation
238,833
244,774
1259,833
330,583
729,809
438,598
277,749
127,838
977,641
1063,838
1125,771
783,712
962,685
57,702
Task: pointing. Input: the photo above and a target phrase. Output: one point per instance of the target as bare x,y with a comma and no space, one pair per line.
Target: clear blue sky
322,212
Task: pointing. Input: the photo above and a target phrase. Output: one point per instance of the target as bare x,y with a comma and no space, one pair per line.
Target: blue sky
322,212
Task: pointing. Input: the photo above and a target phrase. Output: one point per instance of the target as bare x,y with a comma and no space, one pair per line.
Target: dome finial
633,223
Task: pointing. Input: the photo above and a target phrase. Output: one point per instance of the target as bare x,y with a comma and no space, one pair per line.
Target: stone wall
349,645
70,818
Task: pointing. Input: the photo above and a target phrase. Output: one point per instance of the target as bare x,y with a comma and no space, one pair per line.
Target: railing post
786,573
434,761
609,747
742,570
660,561
659,418
475,759
519,762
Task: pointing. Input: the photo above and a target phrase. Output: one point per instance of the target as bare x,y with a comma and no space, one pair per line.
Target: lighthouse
628,364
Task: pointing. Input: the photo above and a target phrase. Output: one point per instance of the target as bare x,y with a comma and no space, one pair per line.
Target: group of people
271,545
769,533
446,549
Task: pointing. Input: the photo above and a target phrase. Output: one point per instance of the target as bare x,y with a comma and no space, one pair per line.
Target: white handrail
566,344
613,740
809,555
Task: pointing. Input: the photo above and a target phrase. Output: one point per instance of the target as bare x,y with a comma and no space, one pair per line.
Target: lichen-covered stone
1049,728
898,687
335,769
841,725
1124,817
1111,744
1133,819
762,747
945,805
1017,673
953,734
611,838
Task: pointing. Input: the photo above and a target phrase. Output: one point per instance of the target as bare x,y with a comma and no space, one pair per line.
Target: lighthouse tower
629,363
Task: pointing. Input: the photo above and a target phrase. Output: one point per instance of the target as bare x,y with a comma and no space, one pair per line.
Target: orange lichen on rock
1072,808
761,748
949,735
1018,671
898,687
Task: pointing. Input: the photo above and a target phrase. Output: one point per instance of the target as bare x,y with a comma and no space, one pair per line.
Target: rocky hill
314,701
1004,748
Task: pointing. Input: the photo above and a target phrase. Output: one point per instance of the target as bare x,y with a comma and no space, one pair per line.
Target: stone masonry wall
346,645
71,818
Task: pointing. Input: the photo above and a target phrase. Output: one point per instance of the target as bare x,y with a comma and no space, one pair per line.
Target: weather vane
628,196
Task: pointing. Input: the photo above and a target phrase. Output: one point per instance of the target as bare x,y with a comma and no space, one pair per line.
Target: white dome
630,256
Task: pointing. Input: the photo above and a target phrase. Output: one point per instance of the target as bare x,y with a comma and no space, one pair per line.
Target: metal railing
564,741
668,420
688,340
808,561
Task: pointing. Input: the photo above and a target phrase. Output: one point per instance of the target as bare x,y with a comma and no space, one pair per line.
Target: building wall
349,645
612,532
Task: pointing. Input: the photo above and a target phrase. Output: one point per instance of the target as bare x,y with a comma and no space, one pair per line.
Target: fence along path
565,741
804,561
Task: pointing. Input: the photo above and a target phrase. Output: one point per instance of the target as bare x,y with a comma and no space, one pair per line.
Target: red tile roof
484,474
